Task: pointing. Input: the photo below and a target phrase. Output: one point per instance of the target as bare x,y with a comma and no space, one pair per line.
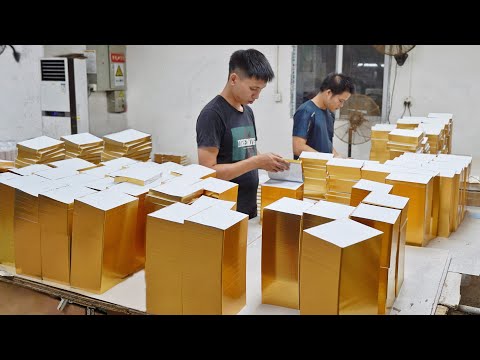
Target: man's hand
272,162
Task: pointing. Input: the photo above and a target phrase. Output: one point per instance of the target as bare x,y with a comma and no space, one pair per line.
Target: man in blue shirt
313,121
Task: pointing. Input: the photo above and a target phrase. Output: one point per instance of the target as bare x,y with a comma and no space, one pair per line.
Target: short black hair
251,63
338,84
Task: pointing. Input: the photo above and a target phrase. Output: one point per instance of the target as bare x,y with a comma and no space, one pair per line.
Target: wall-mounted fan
16,54
356,119
399,52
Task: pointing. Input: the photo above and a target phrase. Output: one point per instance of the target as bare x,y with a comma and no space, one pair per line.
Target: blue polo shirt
315,125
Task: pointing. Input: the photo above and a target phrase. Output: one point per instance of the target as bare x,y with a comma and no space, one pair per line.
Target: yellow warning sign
119,71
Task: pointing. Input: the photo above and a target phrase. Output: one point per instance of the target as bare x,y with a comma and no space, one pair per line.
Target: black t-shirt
233,132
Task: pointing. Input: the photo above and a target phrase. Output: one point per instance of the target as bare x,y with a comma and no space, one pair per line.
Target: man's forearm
231,171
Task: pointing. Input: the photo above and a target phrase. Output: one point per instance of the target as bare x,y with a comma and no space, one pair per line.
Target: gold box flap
74,164
134,189
217,217
343,232
68,194
137,175
57,173
289,206
176,212
217,185
377,213
204,202
348,163
31,169
107,199
409,177
119,163
315,155
101,184
330,210
7,176
195,170
387,200
283,184
372,186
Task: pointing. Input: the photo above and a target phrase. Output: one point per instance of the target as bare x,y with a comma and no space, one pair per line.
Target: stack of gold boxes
436,137
103,240
196,260
342,175
281,230
55,214
387,221
220,189
314,166
379,137
181,189
195,170
27,242
409,122
6,165
177,158
446,119
39,150
273,190
128,143
375,172
139,175
419,188
84,146
364,187
340,269
323,212
399,203
400,141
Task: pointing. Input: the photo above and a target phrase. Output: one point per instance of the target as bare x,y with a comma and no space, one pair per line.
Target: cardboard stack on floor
128,143
39,150
196,260
84,146
342,175
314,167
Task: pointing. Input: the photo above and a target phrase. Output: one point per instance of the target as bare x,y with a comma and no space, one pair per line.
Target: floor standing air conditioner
64,96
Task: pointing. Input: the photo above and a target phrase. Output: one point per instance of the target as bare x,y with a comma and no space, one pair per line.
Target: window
363,63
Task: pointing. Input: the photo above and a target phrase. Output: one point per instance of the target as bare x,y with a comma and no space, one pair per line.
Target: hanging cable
393,90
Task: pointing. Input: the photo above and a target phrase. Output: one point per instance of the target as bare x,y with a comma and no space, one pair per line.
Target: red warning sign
117,58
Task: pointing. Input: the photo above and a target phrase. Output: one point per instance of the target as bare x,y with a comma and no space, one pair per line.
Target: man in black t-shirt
226,133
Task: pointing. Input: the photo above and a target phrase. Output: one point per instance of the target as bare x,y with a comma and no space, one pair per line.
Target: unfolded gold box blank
281,229
387,221
399,203
339,269
103,240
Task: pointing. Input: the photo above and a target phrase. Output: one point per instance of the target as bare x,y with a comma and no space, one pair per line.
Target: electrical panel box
116,102
64,96
106,67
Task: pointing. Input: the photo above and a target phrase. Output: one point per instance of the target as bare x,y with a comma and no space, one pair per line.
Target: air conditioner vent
53,70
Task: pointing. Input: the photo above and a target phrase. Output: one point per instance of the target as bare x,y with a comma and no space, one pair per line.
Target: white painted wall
168,86
101,121
20,114
443,78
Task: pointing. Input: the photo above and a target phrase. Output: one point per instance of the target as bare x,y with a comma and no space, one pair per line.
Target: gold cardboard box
399,203
103,253
387,221
364,187
339,269
281,230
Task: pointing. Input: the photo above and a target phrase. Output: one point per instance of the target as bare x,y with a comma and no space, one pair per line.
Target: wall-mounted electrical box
116,102
106,67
